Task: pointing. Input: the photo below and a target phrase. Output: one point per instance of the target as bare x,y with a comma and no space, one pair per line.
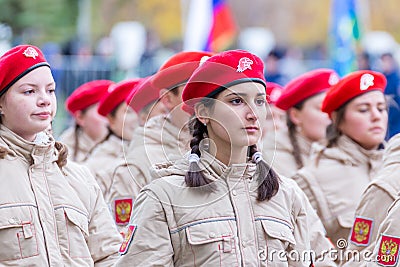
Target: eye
28,91
260,101
51,91
236,101
382,108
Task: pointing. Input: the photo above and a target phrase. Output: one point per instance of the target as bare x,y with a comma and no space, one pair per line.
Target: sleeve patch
122,210
361,231
128,239
388,250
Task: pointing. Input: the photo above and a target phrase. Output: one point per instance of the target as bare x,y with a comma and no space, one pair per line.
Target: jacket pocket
17,234
212,244
76,233
279,238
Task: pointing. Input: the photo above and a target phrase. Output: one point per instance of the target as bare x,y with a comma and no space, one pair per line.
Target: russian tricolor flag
210,26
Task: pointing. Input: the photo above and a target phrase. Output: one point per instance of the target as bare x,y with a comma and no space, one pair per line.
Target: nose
250,113
43,98
376,114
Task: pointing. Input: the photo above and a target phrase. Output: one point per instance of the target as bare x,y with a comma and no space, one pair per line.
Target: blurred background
116,39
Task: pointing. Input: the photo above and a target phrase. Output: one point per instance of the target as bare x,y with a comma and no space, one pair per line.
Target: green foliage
37,21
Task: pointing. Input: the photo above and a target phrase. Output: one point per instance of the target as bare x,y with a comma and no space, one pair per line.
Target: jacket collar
30,151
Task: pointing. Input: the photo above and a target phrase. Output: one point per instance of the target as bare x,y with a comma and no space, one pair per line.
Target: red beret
220,72
145,94
115,95
17,62
177,69
274,91
305,86
86,95
350,86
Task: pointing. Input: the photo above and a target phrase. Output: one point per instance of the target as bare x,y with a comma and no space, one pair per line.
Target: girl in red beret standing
51,210
288,149
275,116
222,205
122,121
339,172
89,127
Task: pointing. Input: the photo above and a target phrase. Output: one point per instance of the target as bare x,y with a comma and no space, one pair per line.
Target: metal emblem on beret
366,81
244,64
333,79
203,59
275,94
31,52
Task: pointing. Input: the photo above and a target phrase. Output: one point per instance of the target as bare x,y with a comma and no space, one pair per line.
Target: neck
228,154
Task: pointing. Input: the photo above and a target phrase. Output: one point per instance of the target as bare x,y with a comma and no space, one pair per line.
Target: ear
111,119
142,116
165,98
294,115
202,113
334,119
80,118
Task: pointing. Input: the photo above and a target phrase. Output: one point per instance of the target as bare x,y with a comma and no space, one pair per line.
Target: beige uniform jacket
375,202
159,141
278,152
48,216
180,226
334,180
103,159
387,245
86,144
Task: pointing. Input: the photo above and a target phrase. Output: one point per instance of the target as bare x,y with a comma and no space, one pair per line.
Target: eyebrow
35,85
242,94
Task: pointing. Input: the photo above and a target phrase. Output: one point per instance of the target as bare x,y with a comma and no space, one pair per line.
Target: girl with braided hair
52,212
306,123
222,205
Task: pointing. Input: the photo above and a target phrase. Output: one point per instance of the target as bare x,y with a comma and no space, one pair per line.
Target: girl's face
310,120
124,122
92,123
365,119
30,105
276,119
238,115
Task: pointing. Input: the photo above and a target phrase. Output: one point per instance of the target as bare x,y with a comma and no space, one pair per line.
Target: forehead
248,88
369,97
41,75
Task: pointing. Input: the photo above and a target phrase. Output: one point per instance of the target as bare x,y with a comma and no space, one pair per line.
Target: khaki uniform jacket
334,180
103,159
86,144
159,141
376,200
181,226
278,152
387,243
48,216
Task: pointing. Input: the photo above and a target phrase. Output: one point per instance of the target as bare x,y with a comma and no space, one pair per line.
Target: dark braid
194,177
332,131
295,144
3,153
267,178
292,136
76,144
63,154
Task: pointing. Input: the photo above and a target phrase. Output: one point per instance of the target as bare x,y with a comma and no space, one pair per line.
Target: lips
43,115
376,129
251,129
